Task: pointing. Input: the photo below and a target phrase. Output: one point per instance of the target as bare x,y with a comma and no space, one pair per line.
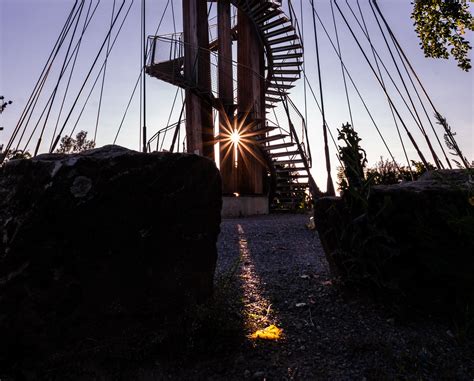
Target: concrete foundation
244,206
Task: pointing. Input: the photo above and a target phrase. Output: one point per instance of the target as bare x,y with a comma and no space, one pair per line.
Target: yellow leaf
272,332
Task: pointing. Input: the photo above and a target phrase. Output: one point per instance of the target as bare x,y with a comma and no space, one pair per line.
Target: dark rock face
416,238
328,213
92,241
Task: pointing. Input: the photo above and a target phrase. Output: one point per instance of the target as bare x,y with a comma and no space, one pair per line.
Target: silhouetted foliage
440,25
3,104
69,144
388,172
353,157
451,142
15,155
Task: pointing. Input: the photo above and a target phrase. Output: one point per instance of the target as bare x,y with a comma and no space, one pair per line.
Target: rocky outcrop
92,242
415,239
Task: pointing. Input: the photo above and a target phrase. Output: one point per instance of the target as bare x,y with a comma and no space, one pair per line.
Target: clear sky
29,28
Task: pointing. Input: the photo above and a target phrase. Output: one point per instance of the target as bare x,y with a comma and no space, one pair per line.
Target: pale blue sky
28,29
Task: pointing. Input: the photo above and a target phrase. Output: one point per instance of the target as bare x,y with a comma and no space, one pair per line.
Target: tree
70,145
441,25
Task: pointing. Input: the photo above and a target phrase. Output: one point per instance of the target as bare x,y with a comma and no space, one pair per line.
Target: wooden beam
226,93
199,122
251,98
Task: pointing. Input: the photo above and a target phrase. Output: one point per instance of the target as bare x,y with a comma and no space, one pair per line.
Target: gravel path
324,336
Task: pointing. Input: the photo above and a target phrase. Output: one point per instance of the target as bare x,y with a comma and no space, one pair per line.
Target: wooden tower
256,57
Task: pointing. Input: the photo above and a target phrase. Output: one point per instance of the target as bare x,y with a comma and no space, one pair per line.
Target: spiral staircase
288,157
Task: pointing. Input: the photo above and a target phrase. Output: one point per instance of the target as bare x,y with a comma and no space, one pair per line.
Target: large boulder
431,220
414,239
92,242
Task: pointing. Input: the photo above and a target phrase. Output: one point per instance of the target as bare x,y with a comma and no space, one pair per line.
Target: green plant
441,25
353,158
354,185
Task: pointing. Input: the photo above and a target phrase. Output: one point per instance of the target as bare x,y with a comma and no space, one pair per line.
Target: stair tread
279,146
295,169
284,79
272,99
286,71
296,176
273,138
287,56
281,154
280,31
287,64
277,49
283,39
290,161
296,185
268,16
280,86
276,92
272,24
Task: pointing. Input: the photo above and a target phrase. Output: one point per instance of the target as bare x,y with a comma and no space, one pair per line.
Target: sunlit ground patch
259,318
272,332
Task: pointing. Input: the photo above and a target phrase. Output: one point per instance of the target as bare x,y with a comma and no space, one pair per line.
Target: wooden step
282,154
262,131
290,161
289,192
281,40
287,169
285,48
292,185
286,56
280,86
273,24
279,31
262,7
272,138
276,92
272,99
284,79
287,64
267,16
286,71
291,196
293,176
278,146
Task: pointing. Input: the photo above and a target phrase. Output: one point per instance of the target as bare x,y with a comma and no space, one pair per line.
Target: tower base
243,206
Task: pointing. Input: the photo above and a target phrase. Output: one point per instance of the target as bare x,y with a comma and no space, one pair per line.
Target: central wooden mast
199,123
251,99
226,94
